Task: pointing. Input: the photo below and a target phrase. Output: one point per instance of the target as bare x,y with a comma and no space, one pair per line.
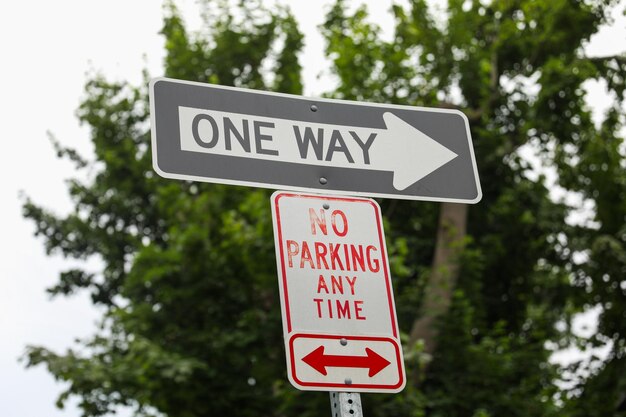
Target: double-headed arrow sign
372,361
246,137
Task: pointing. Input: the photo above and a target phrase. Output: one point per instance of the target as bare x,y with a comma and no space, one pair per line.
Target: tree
511,283
192,326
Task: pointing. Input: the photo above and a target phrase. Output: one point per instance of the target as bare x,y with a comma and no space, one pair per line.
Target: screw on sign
339,319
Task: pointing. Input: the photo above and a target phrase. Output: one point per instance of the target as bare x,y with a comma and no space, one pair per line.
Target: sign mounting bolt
348,381
323,181
313,108
343,342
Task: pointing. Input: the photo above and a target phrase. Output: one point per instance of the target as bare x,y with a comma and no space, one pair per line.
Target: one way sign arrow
246,137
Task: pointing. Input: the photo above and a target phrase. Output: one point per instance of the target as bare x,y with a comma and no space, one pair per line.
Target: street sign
339,318
237,136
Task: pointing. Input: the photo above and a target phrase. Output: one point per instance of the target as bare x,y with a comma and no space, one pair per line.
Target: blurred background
165,292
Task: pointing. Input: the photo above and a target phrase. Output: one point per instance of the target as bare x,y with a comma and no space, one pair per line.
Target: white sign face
339,318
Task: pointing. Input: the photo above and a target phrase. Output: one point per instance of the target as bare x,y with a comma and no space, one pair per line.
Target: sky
47,50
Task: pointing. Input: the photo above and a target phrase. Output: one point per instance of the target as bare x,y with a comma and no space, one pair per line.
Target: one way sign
246,137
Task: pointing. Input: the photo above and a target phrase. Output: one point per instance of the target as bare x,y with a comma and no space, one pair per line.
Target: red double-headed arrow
318,361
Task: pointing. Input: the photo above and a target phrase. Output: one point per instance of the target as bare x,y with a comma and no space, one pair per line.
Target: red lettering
358,309
306,256
351,283
336,284
320,254
321,284
318,301
316,220
346,257
357,257
331,256
344,220
368,251
343,310
292,249
334,257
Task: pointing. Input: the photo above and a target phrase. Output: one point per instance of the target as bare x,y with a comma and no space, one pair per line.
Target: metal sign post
345,404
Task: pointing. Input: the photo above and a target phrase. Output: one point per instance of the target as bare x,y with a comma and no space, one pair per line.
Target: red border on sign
339,385
381,240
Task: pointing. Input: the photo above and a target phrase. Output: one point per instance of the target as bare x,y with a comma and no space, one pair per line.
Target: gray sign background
456,181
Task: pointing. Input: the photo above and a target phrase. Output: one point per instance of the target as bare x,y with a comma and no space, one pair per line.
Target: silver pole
345,404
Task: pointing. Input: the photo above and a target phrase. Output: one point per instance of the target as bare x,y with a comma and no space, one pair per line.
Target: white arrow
401,148
414,156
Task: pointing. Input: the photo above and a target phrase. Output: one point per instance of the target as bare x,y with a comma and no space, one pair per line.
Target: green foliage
188,285
189,273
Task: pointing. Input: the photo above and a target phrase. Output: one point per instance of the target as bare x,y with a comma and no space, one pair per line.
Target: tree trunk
445,270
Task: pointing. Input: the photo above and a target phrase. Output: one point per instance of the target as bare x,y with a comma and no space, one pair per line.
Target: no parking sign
339,318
